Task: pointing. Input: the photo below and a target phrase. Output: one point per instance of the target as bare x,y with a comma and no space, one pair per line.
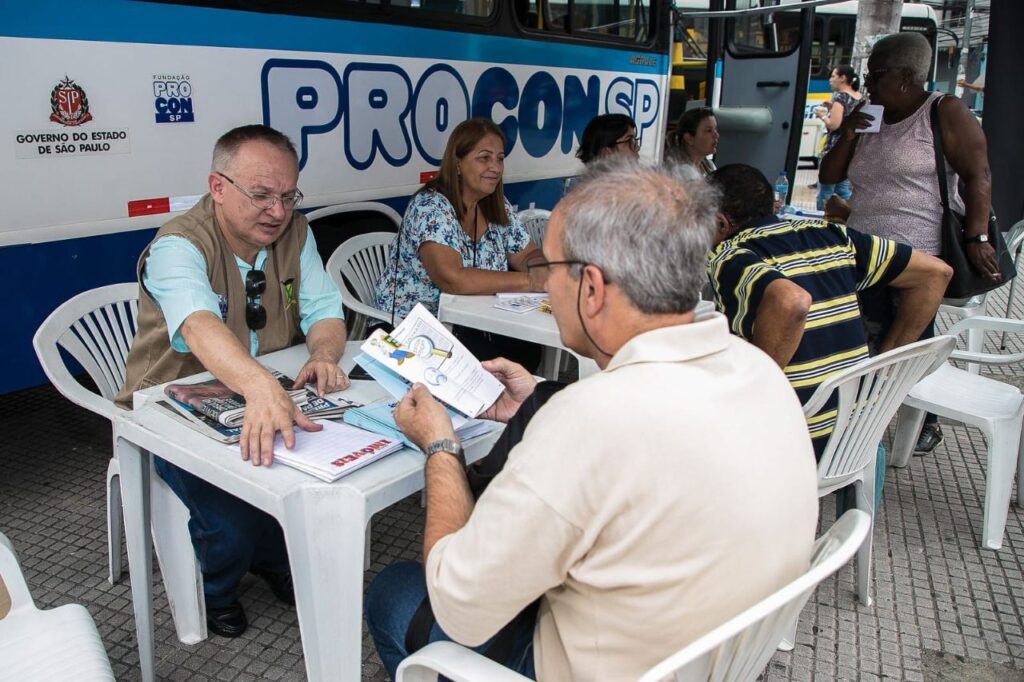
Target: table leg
325,533
134,463
550,360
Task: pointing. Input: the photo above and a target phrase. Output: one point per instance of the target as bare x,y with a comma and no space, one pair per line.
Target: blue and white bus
112,108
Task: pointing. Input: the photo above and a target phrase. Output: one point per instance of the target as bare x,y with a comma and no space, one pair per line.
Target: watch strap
977,239
452,447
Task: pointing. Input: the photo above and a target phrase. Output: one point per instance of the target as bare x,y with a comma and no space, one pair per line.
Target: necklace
476,223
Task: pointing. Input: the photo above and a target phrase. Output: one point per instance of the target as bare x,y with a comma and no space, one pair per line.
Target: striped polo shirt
829,261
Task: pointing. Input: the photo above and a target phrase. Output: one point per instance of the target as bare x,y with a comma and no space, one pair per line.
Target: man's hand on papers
519,385
267,411
422,418
327,375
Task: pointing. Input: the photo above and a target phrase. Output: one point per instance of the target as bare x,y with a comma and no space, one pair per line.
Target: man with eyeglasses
238,275
631,509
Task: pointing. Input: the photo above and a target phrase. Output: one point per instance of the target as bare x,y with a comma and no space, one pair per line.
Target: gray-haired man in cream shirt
643,506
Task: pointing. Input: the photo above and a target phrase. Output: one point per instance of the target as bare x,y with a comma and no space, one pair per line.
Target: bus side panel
103,136
39,277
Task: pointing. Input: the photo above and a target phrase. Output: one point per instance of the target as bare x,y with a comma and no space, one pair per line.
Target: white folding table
478,312
324,523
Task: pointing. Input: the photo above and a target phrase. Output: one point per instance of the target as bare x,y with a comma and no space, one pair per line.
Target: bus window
763,33
471,8
789,22
629,20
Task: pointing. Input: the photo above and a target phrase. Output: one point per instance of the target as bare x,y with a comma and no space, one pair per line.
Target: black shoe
931,435
229,621
279,583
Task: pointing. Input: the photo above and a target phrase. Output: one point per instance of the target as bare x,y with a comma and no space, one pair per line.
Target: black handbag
965,281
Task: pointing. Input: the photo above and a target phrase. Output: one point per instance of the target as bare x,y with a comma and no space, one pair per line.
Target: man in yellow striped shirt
790,286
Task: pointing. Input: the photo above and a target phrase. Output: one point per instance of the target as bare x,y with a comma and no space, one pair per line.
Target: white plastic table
478,312
324,523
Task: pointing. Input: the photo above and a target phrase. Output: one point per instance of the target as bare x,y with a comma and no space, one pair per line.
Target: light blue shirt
175,276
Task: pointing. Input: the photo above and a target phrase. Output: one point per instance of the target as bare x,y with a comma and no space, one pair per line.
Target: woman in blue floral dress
459,234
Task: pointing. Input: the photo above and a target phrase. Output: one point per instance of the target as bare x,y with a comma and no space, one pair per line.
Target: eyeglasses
264,201
873,74
543,272
633,143
255,313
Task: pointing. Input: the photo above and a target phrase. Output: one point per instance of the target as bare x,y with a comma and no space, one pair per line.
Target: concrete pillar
1002,110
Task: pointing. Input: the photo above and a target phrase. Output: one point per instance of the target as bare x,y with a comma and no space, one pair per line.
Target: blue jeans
229,536
825,191
391,602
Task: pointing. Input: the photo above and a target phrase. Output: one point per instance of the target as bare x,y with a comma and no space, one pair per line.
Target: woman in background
608,134
459,235
845,97
695,138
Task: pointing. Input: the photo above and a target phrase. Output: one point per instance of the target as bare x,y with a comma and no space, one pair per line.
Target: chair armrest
988,324
67,385
12,576
456,663
370,311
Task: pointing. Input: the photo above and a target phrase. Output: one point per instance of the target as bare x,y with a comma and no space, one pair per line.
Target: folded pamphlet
379,418
518,305
530,295
336,451
422,350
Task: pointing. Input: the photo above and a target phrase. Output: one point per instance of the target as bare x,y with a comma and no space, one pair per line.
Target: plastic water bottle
781,188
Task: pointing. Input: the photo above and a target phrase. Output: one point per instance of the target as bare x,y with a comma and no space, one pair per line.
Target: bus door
760,69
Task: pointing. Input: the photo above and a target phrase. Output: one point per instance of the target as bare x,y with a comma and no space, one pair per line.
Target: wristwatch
452,447
977,239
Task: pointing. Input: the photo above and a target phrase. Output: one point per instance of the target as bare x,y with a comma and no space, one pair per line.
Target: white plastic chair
976,305
994,407
55,644
360,260
1015,244
869,395
736,651
535,220
97,328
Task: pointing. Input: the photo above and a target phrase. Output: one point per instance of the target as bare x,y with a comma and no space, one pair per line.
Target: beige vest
152,360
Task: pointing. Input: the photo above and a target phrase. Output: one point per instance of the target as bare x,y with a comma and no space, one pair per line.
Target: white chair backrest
97,328
369,206
738,650
535,220
361,260
13,578
870,392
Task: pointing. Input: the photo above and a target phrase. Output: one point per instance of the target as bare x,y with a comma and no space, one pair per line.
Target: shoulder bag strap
940,155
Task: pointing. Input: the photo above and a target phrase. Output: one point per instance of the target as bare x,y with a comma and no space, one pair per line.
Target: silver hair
647,227
906,51
227,146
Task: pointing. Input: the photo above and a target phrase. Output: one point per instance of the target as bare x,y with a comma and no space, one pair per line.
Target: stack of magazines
215,410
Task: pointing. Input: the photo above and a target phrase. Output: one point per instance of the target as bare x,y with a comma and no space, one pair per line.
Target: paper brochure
422,350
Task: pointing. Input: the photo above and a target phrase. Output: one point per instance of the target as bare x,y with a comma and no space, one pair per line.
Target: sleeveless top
895,187
848,103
